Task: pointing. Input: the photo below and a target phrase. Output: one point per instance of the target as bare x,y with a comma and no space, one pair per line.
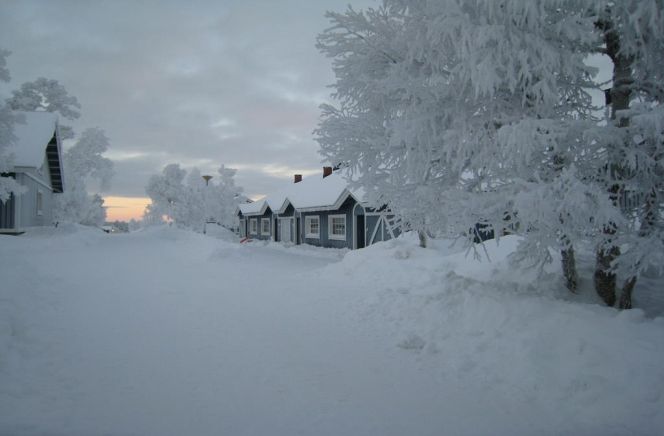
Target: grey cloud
158,76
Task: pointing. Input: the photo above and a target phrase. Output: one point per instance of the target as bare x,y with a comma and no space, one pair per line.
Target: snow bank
486,327
166,332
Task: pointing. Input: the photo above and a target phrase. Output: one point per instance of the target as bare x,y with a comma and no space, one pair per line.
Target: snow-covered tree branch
83,162
191,201
465,113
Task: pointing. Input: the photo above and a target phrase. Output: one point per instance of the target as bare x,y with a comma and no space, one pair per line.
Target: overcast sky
198,83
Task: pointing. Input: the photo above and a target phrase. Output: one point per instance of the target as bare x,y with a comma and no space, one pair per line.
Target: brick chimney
327,171
297,178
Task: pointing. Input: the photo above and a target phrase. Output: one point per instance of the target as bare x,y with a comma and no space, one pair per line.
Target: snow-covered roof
34,132
32,138
255,208
314,193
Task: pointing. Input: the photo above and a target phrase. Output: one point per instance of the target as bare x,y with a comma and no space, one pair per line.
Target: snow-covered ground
167,332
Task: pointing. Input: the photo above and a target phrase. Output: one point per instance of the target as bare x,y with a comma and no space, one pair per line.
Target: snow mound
389,340
489,327
63,229
221,233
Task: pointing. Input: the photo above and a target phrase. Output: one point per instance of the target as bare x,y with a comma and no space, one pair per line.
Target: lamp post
205,202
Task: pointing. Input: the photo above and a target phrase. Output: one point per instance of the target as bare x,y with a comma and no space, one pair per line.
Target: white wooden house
37,165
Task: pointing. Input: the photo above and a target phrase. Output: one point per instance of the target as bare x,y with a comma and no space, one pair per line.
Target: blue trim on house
324,239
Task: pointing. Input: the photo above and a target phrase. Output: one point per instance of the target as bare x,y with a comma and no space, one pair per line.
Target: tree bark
620,94
625,301
605,278
569,269
423,238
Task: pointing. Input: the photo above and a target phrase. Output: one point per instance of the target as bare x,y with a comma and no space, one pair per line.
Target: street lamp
205,202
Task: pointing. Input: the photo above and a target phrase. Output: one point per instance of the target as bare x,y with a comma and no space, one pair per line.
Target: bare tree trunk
568,262
625,301
620,93
648,221
569,268
423,238
605,278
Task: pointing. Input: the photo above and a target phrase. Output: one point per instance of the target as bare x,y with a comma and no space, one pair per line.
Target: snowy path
171,333
161,339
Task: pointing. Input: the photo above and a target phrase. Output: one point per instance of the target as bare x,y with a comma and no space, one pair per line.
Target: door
359,230
286,230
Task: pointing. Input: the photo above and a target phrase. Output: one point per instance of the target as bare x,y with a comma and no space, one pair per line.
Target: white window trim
263,221
307,225
329,227
39,202
253,226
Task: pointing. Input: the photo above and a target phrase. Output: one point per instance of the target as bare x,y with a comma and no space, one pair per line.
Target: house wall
34,180
259,235
324,240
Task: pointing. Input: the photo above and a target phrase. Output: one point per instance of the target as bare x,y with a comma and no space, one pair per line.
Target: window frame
307,227
253,226
330,227
263,221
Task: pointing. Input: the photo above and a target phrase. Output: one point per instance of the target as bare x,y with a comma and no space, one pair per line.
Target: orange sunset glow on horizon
125,208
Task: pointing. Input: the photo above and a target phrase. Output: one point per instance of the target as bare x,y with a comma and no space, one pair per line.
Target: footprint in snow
412,342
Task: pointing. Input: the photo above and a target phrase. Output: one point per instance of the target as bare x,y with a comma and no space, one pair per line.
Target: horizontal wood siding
259,218
324,240
27,203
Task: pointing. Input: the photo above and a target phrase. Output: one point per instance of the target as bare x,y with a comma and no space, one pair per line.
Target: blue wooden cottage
255,220
319,211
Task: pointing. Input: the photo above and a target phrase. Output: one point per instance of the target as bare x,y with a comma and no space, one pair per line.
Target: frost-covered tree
632,33
166,191
7,119
450,110
47,95
226,197
458,113
82,163
189,200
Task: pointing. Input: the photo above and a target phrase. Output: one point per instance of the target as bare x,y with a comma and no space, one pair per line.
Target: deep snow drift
167,332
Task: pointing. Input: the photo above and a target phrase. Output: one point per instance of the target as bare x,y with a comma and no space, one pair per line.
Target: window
312,226
336,227
253,226
40,202
265,226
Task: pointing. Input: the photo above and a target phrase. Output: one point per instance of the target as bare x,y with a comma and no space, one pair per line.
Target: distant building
38,167
319,211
